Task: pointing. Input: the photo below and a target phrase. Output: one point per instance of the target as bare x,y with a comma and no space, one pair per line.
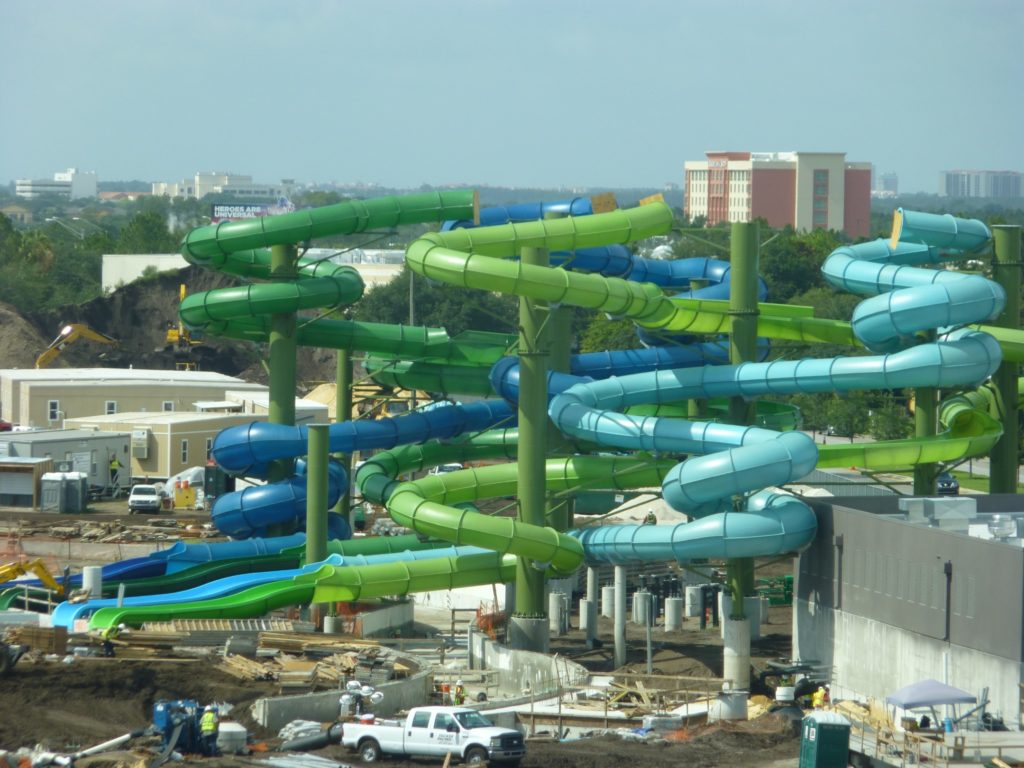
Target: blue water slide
181,556
65,614
248,449
730,461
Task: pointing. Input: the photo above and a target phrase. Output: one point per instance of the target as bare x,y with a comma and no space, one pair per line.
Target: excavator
10,571
69,334
180,340
9,653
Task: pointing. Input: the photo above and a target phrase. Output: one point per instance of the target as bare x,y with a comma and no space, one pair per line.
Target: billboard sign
239,211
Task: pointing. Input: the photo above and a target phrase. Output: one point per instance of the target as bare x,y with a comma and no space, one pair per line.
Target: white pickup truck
437,731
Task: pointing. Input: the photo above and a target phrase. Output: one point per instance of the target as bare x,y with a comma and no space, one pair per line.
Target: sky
520,93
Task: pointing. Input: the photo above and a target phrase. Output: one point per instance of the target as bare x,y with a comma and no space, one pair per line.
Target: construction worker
208,725
818,697
108,636
115,467
459,697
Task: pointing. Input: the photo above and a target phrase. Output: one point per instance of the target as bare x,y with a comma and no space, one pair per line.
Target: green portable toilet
824,740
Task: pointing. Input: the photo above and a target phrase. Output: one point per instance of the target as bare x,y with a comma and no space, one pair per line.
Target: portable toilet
824,740
54,493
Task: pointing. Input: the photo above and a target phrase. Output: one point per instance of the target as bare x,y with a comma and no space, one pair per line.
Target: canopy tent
929,693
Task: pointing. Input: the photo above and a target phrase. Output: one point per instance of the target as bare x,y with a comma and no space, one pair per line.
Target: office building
220,183
72,184
805,190
998,184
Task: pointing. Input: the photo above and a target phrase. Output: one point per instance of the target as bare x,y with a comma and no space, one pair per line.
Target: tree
813,410
147,233
848,414
437,306
602,334
889,419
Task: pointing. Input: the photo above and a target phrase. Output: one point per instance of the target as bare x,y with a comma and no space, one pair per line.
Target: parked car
444,469
947,485
144,498
436,732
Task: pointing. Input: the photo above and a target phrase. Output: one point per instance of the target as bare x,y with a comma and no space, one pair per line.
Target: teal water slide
725,460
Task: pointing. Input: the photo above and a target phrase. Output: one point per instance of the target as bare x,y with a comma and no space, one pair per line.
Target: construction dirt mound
66,707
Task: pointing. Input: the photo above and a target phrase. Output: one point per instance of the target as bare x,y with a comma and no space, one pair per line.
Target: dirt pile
138,315
71,706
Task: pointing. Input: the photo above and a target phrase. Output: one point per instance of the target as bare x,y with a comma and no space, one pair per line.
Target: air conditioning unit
140,443
63,466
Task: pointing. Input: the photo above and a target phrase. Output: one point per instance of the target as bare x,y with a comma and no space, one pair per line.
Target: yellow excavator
9,652
179,339
13,570
69,334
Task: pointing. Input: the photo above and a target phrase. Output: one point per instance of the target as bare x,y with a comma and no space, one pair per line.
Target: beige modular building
48,398
164,444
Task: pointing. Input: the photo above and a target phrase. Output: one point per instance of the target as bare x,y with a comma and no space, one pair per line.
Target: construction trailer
75,450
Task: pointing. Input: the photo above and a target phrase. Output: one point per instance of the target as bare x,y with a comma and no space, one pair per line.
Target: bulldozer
69,334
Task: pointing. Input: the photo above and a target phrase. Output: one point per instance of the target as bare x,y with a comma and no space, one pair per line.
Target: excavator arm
69,334
14,570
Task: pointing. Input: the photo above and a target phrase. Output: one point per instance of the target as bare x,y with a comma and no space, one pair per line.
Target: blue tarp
929,693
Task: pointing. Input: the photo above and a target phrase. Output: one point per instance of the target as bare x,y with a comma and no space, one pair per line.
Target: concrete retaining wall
899,658
277,711
520,673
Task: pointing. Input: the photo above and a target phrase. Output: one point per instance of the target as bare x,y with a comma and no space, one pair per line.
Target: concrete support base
529,634
736,652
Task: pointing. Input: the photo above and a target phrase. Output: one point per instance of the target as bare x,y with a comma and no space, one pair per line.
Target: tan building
164,444
48,397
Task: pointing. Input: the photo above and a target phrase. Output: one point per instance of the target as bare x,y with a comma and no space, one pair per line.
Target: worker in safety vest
459,696
208,725
818,698
115,467
108,636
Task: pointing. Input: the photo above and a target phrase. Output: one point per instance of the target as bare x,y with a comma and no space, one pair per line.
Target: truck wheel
476,756
369,751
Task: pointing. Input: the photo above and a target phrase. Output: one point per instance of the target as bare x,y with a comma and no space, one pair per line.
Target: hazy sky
504,92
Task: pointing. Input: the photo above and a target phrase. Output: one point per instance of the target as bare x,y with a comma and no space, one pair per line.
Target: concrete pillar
736,652
556,613
333,625
620,615
673,614
92,580
641,607
608,601
588,620
592,592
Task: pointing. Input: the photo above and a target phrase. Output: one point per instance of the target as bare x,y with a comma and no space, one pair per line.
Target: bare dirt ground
66,707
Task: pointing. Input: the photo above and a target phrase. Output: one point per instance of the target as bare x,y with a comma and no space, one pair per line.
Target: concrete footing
529,634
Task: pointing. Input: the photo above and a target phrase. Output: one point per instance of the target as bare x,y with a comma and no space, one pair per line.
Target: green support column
281,353
560,320
744,252
316,493
1006,270
533,417
926,409
343,412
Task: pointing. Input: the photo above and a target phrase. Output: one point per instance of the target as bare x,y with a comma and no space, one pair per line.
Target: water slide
739,459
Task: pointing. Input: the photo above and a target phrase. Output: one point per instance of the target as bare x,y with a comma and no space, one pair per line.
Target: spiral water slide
733,460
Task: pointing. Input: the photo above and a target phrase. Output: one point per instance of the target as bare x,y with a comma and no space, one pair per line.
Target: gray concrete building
894,590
